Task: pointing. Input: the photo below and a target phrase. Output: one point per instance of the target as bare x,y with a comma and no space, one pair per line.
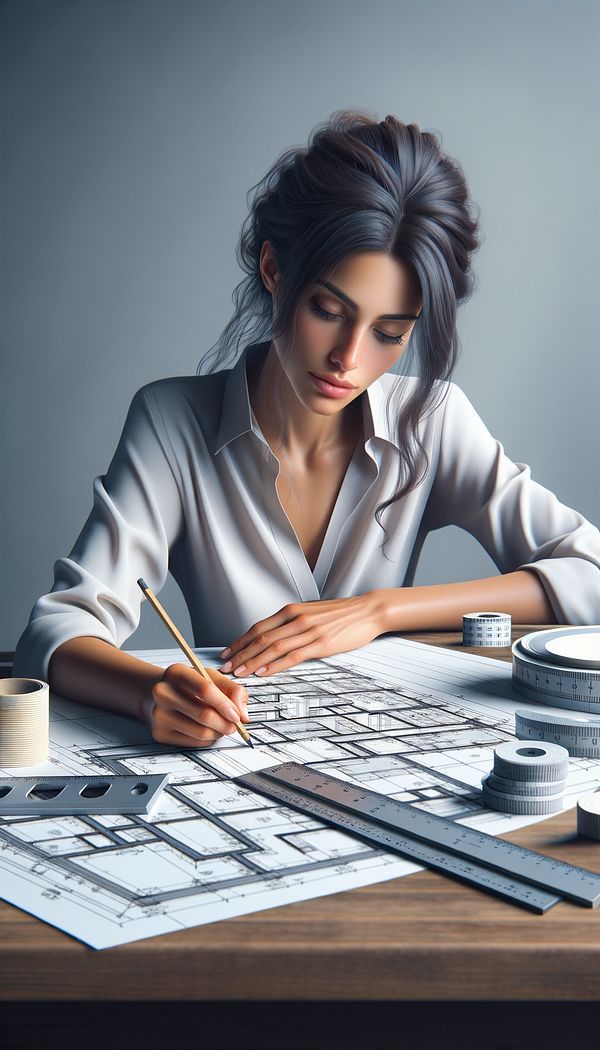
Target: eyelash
320,312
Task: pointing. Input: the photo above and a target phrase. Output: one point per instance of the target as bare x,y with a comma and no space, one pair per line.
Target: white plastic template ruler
74,795
368,812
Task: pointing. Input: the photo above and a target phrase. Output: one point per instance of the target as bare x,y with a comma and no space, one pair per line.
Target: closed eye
320,312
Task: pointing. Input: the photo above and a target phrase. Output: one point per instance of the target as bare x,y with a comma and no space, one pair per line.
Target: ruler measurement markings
582,739
549,873
507,888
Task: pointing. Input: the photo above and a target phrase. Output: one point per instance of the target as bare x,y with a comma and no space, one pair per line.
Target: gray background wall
134,128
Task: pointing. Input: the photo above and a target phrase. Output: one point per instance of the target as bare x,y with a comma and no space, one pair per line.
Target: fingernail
240,669
225,652
234,714
226,666
259,670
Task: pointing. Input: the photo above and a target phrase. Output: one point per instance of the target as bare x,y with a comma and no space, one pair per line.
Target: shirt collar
237,417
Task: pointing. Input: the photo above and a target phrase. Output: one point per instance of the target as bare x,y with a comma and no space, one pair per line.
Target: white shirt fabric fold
191,490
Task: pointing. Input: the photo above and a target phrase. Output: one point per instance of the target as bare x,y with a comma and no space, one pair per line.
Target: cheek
309,329
381,365
395,354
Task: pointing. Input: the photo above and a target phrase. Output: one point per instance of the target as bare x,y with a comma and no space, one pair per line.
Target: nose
346,354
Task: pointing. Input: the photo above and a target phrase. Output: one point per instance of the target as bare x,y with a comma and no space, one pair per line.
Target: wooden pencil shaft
183,644
176,634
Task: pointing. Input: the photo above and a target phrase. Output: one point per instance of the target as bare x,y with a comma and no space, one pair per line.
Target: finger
237,693
168,720
173,736
192,683
295,656
197,709
272,659
261,649
213,726
261,627
224,689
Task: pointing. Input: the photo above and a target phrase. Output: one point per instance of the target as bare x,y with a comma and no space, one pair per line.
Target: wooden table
418,961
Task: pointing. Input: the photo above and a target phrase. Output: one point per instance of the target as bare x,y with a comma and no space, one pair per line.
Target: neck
307,436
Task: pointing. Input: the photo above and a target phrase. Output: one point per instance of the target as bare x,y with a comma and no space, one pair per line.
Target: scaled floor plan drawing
416,723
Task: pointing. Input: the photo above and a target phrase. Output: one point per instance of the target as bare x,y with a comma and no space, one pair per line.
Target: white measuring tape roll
523,787
560,666
588,815
531,761
580,737
526,778
551,802
483,629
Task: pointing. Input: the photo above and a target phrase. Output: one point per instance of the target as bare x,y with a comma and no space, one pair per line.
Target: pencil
150,595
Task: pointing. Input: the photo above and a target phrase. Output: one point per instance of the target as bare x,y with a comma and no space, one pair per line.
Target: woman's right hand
188,710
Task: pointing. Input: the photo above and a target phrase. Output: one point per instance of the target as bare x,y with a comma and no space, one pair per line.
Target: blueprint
413,721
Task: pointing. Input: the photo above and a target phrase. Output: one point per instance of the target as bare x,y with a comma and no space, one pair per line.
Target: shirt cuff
572,586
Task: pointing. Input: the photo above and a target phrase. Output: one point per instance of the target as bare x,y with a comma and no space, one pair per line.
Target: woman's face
351,344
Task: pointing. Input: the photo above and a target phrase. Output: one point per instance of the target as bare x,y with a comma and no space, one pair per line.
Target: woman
262,487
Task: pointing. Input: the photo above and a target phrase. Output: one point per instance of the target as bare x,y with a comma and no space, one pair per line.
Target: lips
333,382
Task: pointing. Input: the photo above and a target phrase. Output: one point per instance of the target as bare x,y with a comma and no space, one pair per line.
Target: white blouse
191,490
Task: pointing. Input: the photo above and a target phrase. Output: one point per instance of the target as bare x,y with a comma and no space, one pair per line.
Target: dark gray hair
361,185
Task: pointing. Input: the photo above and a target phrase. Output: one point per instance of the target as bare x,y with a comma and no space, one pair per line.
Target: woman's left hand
304,631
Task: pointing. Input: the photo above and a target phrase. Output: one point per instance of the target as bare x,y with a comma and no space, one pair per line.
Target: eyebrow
350,302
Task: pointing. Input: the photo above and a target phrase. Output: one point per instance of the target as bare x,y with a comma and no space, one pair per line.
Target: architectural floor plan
412,721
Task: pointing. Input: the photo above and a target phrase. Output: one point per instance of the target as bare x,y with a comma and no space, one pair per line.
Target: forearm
95,672
441,606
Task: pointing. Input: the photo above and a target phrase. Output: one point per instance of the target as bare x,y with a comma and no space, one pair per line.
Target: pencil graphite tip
142,583
250,744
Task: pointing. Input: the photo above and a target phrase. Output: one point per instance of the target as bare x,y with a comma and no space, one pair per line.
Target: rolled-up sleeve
521,524
135,518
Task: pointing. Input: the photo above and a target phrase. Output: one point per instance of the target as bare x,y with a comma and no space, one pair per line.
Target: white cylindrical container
24,722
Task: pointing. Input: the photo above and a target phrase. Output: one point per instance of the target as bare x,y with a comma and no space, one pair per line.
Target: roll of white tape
523,787
588,815
484,629
551,802
533,760
24,722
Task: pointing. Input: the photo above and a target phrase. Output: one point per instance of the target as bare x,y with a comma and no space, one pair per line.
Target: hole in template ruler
5,789
45,791
139,789
94,790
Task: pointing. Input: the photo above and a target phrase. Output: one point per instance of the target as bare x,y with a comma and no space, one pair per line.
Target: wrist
146,708
383,610
147,701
